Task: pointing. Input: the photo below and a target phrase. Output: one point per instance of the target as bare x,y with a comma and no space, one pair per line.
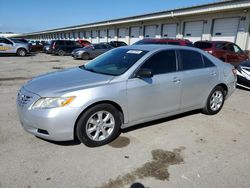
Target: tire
61,53
21,52
94,130
215,101
85,56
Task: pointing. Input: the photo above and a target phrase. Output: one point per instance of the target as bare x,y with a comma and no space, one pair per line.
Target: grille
23,99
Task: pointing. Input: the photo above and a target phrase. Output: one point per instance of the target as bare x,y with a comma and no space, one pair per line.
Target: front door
6,46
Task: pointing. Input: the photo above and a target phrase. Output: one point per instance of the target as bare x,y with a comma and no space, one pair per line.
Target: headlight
55,102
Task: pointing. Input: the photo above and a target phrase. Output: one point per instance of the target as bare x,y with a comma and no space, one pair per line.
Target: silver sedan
121,88
91,51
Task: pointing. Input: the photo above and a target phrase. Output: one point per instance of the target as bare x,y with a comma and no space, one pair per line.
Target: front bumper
76,55
53,124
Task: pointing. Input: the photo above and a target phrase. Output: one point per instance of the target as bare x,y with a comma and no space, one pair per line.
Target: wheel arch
117,106
225,88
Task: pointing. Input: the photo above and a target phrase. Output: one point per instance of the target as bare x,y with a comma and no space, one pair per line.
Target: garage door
150,31
225,29
122,34
134,34
94,37
103,36
169,30
111,35
88,35
193,31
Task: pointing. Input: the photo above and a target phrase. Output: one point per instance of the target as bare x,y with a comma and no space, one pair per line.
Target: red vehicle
181,42
225,51
83,42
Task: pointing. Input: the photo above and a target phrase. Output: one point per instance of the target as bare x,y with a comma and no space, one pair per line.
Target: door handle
176,79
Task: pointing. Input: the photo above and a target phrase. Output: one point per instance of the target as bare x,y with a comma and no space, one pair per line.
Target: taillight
54,46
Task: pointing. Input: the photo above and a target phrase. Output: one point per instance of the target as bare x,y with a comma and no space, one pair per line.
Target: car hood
68,80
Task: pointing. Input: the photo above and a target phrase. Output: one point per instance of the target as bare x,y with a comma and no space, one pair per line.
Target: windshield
114,62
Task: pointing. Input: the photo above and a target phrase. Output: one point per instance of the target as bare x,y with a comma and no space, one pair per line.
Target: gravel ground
188,150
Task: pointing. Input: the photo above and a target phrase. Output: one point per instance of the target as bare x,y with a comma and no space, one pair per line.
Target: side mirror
144,73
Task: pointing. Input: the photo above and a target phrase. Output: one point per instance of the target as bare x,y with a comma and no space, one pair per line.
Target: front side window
5,41
191,59
162,62
114,62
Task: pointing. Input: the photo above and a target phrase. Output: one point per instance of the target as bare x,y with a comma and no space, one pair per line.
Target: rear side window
59,42
69,42
191,59
221,46
207,62
161,62
203,45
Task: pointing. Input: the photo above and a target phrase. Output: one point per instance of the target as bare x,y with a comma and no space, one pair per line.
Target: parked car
225,51
180,42
91,51
121,88
8,46
243,74
36,46
84,42
64,47
116,44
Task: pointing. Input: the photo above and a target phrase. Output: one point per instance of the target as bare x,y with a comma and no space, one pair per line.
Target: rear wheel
215,101
21,52
61,53
85,56
99,125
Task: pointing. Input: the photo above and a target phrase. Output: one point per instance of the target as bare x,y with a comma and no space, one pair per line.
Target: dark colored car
225,51
36,46
243,74
84,42
116,44
180,42
64,47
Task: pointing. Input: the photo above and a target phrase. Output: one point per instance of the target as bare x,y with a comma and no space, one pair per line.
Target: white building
225,20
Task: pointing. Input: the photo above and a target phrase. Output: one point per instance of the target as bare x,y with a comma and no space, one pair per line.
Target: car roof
164,39
153,47
216,41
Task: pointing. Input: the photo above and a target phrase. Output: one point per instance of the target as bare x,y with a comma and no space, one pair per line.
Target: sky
24,16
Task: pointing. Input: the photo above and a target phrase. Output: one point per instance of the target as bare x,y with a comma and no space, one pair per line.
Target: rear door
148,97
6,46
198,78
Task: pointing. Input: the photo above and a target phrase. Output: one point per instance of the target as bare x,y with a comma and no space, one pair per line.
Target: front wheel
85,56
215,101
99,125
21,52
